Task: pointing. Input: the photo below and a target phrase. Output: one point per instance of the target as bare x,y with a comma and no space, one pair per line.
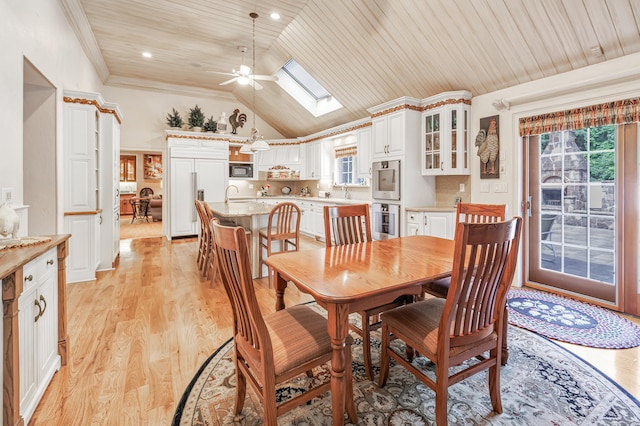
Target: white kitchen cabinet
414,223
435,224
445,134
38,330
364,152
307,221
194,165
84,246
317,160
81,157
110,191
388,132
91,157
312,161
279,155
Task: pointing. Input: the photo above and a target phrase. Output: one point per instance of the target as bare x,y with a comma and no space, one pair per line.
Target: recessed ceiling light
275,16
147,54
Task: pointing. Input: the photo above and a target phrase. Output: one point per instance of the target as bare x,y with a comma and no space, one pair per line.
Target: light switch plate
250,186
7,195
500,187
501,169
462,187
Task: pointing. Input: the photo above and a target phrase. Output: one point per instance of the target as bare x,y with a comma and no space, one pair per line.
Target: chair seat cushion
298,335
439,287
419,322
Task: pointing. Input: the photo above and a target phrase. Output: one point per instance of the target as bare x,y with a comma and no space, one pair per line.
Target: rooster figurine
488,147
237,120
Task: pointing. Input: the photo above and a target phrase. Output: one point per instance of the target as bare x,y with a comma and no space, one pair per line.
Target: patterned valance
347,151
616,112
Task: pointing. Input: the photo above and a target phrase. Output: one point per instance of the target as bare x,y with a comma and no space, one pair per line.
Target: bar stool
283,227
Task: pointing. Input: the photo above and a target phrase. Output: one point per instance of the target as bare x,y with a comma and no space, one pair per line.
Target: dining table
354,277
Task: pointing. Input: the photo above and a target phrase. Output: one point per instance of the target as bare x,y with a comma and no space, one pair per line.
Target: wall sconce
500,104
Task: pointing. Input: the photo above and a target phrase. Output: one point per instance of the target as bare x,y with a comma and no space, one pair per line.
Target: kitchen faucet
226,192
345,188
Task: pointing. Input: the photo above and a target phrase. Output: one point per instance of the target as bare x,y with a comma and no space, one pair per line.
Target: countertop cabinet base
35,340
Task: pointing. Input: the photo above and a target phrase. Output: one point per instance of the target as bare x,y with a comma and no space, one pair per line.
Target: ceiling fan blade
228,81
221,73
265,77
255,84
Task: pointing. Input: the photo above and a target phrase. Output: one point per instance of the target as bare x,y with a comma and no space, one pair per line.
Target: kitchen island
251,216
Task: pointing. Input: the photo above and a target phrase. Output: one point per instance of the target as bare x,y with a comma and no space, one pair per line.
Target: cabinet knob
28,278
50,262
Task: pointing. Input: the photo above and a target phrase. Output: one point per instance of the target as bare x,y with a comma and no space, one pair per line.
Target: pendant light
257,141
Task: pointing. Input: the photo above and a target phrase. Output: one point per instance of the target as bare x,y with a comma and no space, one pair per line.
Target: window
305,89
345,170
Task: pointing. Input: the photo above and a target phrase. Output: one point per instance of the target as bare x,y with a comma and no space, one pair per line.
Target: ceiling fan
243,75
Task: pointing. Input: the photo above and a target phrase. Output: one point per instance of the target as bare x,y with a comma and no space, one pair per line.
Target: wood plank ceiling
365,52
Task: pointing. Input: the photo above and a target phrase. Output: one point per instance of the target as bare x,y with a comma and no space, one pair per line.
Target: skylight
305,89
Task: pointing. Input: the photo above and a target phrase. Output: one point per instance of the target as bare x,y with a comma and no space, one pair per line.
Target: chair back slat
480,213
349,224
231,247
284,221
484,265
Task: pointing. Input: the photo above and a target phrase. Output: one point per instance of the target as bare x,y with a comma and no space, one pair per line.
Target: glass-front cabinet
445,134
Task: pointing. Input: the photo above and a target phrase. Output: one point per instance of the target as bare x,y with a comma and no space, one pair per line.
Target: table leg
338,324
281,286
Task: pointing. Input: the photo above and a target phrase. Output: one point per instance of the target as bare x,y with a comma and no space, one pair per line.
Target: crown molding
80,24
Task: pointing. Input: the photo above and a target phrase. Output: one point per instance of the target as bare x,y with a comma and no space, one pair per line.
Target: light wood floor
139,333
139,229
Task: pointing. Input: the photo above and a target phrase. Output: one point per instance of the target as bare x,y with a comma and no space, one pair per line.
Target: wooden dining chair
351,224
272,348
205,238
211,259
469,322
473,213
281,234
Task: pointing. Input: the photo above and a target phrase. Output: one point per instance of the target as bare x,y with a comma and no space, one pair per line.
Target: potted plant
210,125
196,119
174,119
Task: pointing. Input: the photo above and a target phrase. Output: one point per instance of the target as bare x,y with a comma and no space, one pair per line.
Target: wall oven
386,180
386,221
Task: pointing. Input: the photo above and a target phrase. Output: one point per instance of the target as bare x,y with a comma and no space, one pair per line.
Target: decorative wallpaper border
94,103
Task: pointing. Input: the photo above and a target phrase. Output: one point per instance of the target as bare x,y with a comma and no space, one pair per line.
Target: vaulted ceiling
365,52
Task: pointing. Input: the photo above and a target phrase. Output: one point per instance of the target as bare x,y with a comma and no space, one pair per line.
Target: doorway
39,151
581,196
137,181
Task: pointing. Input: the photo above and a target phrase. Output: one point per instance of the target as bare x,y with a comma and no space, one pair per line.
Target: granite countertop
239,208
300,198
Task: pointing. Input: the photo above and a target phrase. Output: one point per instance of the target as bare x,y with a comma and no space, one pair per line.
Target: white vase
196,129
9,221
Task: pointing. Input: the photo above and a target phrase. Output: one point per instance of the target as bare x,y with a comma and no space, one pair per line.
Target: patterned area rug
542,384
570,321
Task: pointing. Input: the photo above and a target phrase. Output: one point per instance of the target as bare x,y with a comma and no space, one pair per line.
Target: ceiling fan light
243,80
245,70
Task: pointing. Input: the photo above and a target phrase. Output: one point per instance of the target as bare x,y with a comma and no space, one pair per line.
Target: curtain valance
616,112
347,151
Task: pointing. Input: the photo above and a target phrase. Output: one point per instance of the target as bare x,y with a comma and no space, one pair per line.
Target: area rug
543,384
570,321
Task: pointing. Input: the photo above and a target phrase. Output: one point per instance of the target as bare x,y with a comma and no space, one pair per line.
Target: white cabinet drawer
39,269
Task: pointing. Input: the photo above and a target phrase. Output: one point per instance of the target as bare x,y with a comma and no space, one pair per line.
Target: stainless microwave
385,180
241,171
